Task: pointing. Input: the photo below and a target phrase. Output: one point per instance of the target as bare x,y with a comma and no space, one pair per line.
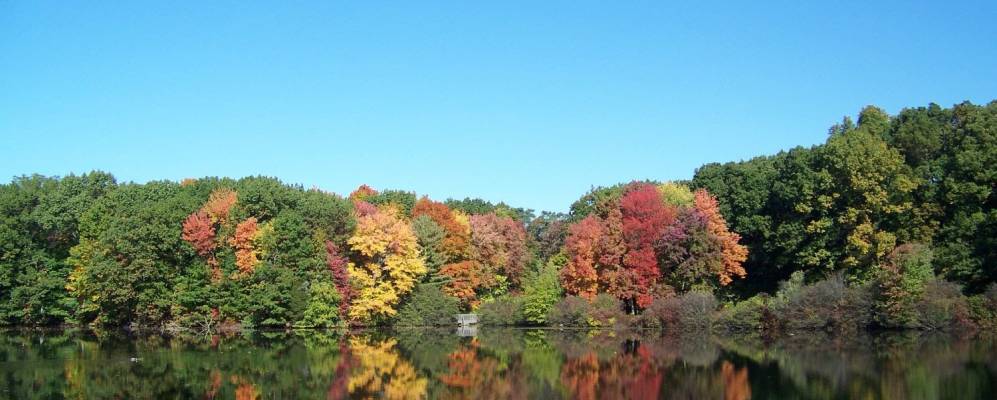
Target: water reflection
494,364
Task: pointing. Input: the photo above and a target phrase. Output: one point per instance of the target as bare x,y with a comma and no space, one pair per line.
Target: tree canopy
895,202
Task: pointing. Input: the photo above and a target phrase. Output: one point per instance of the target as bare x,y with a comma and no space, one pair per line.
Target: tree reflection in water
497,364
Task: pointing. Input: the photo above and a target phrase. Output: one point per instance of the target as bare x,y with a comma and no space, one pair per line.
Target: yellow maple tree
388,267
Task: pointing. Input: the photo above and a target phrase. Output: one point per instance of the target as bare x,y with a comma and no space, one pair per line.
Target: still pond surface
494,363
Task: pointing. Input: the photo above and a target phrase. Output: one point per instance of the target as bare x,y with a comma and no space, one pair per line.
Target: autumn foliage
362,193
579,276
363,208
465,279
456,244
199,231
499,245
650,239
732,254
220,204
645,219
242,242
387,268
338,267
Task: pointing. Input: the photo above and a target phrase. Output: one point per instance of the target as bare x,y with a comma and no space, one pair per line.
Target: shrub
694,312
690,312
899,283
749,316
428,306
605,311
570,311
942,306
649,319
828,305
983,308
503,311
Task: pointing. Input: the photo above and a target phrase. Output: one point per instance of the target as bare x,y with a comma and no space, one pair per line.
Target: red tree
363,208
340,276
199,231
645,219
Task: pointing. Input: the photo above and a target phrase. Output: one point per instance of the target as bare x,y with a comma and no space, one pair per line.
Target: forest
889,224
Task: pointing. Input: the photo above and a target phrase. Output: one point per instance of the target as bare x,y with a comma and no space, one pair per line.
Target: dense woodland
891,223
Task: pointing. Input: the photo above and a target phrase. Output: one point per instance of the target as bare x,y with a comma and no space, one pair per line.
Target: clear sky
523,102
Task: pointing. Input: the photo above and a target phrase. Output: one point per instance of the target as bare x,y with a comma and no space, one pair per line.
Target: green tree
428,306
430,236
542,290
400,199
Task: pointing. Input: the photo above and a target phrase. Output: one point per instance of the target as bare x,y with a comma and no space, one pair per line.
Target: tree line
892,205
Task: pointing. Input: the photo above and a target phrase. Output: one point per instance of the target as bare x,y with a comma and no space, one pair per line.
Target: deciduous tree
645,218
579,276
387,267
339,268
456,245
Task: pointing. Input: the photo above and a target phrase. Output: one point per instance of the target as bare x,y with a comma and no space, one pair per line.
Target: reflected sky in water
493,363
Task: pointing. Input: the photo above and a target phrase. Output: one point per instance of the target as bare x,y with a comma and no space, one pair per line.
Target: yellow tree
381,371
388,265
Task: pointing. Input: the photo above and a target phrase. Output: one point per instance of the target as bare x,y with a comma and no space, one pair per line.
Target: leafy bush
605,311
749,316
942,306
570,311
690,312
983,308
829,305
428,306
503,311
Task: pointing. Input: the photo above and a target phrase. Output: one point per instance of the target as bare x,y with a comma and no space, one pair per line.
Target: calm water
497,363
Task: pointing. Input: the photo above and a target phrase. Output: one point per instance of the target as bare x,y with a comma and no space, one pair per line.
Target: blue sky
516,101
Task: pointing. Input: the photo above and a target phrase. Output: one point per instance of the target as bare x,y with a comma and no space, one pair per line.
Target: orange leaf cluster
242,241
220,204
457,241
732,253
579,276
200,231
610,250
465,279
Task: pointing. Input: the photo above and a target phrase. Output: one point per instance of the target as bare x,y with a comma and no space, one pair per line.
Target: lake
493,363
